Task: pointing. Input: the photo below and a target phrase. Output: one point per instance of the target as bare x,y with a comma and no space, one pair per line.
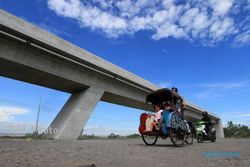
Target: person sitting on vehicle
165,121
167,108
207,121
154,118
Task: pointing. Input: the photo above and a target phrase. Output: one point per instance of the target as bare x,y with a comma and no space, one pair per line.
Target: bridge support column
75,113
219,129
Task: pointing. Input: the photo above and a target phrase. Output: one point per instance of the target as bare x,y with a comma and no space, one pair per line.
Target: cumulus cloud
221,7
7,113
242,39
207,22
90,16
9,125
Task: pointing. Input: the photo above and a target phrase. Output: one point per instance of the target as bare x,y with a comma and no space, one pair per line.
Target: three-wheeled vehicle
172,124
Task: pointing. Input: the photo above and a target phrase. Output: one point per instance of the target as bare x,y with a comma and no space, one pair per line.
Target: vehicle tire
199,138
177,137
213,139
149,139
190,136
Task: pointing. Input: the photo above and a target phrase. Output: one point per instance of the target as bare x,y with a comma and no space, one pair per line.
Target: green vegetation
27,136
111,136
30,136
87,137
236,130
14,137
133,136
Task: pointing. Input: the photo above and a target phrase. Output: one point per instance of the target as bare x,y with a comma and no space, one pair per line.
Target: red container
142,126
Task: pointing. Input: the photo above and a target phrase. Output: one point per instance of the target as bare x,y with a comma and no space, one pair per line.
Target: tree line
236,130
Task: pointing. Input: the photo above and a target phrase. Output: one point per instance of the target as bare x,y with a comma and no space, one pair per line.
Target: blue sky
201,46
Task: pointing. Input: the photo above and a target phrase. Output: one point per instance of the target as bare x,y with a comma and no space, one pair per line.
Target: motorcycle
190,133
201,134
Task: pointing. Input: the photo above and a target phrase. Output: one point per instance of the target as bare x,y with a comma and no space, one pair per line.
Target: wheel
199,138
213,139
149,139
190,136
177,137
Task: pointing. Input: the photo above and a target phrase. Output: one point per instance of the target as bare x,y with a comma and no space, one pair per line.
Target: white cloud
169,30
7,113
242,39
9,125
240,117
221,28
89,16
165,84
248,5
96,19
221,7
205,21
226,85
16,127
104,4
215,91
71,8
244,115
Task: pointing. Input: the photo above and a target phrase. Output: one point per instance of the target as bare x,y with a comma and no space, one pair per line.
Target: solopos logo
214,154
51,130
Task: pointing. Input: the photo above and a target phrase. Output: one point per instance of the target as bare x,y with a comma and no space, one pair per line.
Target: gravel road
122,153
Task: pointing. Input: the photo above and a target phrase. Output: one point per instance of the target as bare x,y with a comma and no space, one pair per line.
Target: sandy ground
120,153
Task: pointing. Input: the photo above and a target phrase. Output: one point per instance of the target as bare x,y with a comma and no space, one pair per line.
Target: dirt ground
122,152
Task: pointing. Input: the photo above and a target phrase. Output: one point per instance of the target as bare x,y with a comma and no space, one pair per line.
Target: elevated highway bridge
32,55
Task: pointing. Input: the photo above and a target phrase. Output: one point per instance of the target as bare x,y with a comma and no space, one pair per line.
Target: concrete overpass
30,54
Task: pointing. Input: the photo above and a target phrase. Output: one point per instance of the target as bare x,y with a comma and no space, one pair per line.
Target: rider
174,90
178,101
207,121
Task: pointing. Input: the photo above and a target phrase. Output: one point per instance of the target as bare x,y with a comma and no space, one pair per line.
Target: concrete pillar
219,129
75,113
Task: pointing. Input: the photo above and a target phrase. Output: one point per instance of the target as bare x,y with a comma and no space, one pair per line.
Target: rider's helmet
174,89
205,114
